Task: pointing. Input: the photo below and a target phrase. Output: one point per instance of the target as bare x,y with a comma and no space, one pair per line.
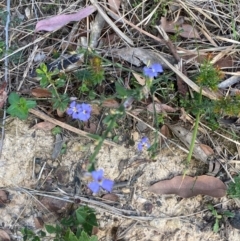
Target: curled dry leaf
45,126
41,93
57,22
185,186
160,108
186,30
207,149
4,235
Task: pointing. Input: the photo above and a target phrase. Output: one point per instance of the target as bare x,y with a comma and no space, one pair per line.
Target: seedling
219,216
19,106
77,227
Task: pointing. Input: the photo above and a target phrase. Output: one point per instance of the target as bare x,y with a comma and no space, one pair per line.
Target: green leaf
216,226
31,104
50,228
84,237
13,98
70,236
81,215
94,238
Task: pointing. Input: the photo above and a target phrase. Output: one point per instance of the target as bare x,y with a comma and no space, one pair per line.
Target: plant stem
194,136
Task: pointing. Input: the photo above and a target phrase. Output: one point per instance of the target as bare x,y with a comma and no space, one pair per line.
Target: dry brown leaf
165,131
207,149
41,93
111,103
54,205
3,198
186,30
45,126
4,236
161,108
39,224
190,186
110,197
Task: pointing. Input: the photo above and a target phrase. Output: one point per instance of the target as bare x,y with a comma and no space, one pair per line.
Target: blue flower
100,181
143,143
73,110
79,111
84,112
153,70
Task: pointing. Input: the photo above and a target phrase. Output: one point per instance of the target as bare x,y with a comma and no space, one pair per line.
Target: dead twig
66,126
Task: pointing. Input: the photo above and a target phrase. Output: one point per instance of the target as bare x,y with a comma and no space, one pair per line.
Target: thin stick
66,126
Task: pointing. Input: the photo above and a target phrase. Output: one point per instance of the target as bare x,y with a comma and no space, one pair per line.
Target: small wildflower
153,70
143,143
84,112
100,181
73,110
79,111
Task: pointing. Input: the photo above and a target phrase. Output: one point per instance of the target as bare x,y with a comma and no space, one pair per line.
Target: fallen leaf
3,198
44,125
185,186
90,128
41,93
207,149
39,224
4,235
111,103
110,197
54,205
140,79
186,30
165,131
56,22
160,108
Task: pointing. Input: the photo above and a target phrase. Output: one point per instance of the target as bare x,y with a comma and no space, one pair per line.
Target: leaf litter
164,167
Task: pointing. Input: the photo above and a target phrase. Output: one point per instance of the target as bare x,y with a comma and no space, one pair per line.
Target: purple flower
100,181
73,110
79,111
152,70
143,143
84,112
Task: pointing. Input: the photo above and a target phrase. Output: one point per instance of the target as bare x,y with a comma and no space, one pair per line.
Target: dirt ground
150,217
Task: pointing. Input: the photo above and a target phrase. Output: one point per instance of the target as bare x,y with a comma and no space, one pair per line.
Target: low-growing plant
219,216
234,188
77,227
19,106
59,101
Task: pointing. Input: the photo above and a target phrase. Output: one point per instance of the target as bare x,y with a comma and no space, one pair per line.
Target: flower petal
140,146
107,184
157,67
94,187
97,175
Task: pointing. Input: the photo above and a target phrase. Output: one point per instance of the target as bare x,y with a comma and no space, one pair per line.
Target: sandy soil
175,218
